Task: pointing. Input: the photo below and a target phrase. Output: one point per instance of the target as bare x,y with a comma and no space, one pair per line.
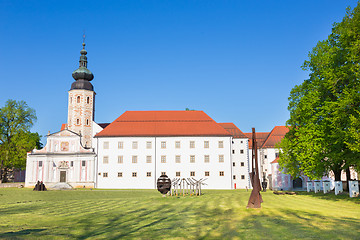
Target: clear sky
235,60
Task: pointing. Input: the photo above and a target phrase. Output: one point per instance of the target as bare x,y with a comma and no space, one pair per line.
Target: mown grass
145,214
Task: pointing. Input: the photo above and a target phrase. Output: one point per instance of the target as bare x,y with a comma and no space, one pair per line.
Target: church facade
139,146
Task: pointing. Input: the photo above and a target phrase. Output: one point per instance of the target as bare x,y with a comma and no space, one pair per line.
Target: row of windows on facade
177,174
164,159
162,144
83,164
134,159
78,99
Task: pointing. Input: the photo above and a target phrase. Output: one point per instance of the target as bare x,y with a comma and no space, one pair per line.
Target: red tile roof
63,126
233,129
275,136
260,138
268,140
276,160
163,123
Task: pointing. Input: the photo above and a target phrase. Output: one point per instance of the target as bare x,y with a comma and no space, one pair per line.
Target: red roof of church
163,123
233,129
63,126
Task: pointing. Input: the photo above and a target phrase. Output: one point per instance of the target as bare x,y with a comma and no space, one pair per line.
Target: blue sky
235,60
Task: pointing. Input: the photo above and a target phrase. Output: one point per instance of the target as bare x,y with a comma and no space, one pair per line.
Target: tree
16,119
324,109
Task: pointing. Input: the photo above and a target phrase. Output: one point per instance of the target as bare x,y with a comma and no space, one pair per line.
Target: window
134,159
163,173
221,144
178,174
242,164
105,174
120,145
243,177
83,163
71,163
265,156
221,173
106,145
70,99
206,144
163,144
134,145
148,159
40,163
233,164
148,145
78,121
221,158
234,177
241,141
87,122
119,174
207,174
192,144
192,174
276,155
233,151
192,158
241,151
163,159
134,174
87,100
120,159
206,158
78,99
106,159
177,144
177,159
148,174
99,174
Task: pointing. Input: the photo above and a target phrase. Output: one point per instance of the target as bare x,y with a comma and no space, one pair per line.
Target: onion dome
82,75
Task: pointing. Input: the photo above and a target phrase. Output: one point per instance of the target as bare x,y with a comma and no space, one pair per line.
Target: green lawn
145,214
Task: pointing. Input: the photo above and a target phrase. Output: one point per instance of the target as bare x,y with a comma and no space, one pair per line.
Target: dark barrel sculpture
163,184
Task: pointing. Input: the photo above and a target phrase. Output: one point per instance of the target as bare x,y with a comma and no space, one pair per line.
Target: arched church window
78,121
78,99
87,100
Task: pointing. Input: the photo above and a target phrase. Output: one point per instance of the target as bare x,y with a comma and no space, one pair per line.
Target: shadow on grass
20,233
202,221
331,196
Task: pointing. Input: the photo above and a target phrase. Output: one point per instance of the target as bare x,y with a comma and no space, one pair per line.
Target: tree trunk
348,176
337,174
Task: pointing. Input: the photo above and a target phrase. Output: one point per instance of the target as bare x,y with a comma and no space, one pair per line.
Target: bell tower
81,105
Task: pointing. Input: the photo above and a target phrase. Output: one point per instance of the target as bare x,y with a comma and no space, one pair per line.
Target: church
136,148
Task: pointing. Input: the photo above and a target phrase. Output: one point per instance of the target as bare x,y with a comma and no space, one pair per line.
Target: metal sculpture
164,184
255,199
187,186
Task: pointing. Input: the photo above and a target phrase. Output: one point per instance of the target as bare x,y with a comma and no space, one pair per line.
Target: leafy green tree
324,109
16,119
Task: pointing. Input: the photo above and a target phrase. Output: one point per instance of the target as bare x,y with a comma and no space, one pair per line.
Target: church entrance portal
62,176
297,183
